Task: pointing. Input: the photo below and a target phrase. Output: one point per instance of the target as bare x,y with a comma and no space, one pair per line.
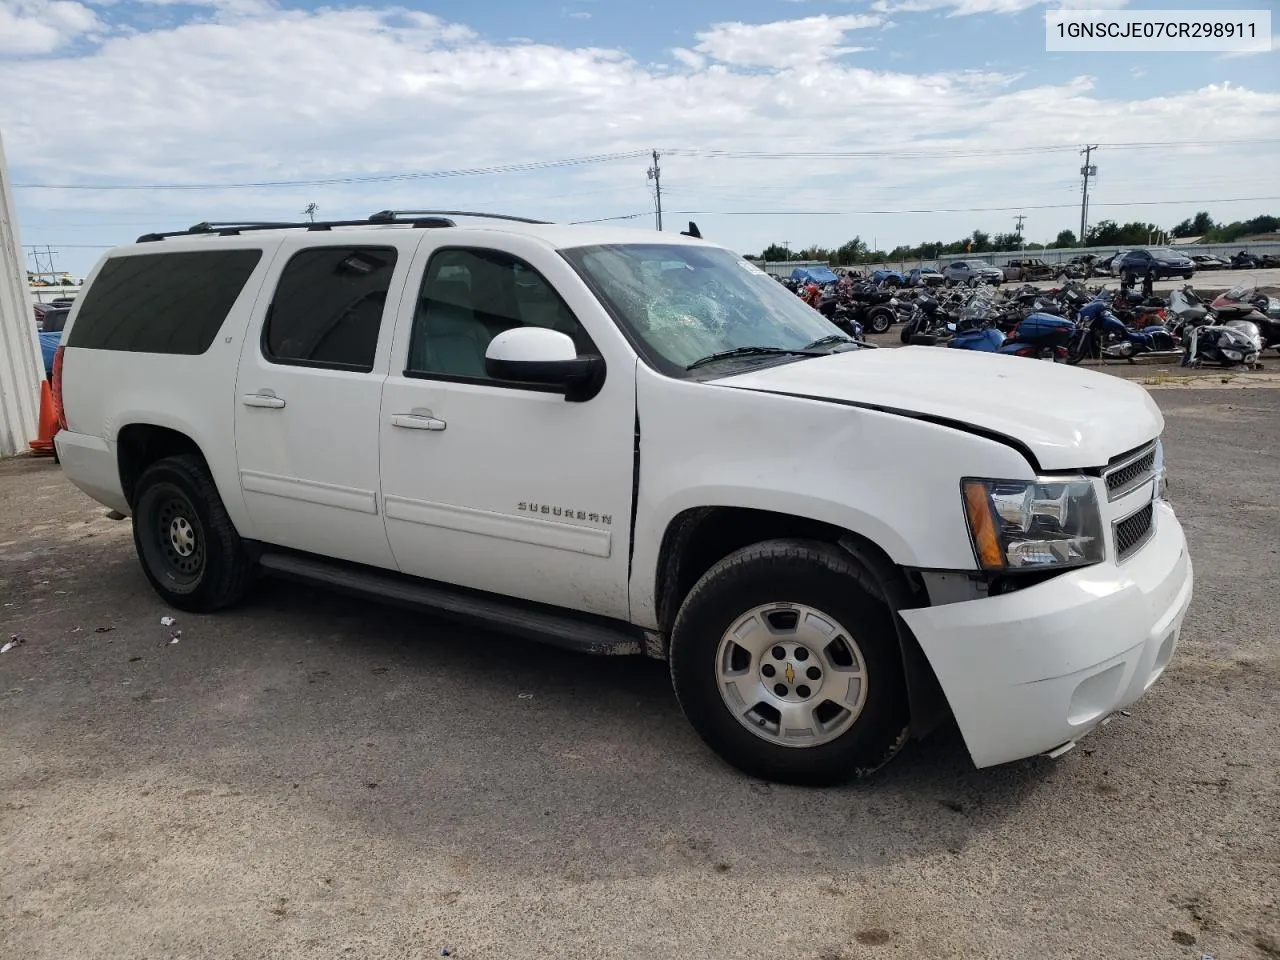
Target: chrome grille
1130,471
1133,531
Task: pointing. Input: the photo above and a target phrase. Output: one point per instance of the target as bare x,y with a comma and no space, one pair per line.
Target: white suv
634,443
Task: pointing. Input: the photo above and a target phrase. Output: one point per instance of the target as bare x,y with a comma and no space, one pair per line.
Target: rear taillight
56,387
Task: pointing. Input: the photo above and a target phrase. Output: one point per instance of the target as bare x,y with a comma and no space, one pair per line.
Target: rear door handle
262,400
415,421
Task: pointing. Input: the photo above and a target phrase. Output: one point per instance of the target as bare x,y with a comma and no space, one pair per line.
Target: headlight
1233,355
1020,525
1162,474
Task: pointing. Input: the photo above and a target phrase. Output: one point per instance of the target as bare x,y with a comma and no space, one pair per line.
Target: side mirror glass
539,355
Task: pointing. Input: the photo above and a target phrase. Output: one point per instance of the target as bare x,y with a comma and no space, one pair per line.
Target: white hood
1068,418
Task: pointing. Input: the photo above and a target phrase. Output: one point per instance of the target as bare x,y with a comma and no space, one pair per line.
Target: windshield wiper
829,340
751,351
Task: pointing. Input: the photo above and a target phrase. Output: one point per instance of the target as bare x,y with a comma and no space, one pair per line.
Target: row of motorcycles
1066,325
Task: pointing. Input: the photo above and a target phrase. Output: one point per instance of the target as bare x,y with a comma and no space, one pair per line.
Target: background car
1105,263
1207,261
972,271
1027,268
1156,262
891,278
55,321
924,277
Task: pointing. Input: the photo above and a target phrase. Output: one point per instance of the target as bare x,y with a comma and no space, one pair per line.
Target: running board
584,633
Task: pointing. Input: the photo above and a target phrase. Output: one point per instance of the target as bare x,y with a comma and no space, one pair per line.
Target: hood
1066,418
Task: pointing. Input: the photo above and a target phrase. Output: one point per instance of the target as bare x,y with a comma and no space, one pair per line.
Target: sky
802,121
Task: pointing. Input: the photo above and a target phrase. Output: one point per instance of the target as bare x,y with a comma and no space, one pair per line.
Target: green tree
981,242
1196,226
814,253
774,252
851,251
1065,240
1007,241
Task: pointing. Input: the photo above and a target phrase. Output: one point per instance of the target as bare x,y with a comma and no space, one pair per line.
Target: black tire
218,571
908,331
1187,276
819,575
880,319
923,340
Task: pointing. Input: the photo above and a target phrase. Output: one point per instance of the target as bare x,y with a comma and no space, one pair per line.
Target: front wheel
188,547
880,320
787,664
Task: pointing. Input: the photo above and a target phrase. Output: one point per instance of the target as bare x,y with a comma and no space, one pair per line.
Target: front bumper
1029,671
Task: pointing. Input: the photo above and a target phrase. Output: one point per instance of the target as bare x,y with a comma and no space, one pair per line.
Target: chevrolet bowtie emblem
791,673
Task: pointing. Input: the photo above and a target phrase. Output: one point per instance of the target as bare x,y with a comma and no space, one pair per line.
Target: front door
307,399
504,487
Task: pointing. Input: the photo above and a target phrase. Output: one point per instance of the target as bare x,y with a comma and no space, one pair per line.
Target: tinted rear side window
328,308
162,302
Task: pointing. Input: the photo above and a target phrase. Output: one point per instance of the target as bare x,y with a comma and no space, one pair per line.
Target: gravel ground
315,777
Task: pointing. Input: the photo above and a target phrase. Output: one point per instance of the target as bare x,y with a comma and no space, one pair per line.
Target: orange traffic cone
43,444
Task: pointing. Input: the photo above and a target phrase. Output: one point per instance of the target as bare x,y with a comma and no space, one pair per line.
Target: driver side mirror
542,356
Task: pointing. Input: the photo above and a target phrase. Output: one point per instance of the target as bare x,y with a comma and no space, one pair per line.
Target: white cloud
42,26
783,43
287,94
961,8
695,61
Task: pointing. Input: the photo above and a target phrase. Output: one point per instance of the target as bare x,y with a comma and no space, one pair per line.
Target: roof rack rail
419,219
397,216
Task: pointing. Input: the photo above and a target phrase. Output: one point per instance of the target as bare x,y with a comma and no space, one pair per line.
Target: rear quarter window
162,302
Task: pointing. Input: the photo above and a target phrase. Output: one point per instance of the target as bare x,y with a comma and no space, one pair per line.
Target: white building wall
21,364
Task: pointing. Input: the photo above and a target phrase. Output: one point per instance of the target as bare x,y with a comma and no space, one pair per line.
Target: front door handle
416,421
262,400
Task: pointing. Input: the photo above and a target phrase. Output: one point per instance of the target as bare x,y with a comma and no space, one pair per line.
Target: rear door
308,393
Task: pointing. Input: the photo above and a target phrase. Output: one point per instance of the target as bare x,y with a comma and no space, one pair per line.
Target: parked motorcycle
1100,334
1228,345
1040,336
1249,304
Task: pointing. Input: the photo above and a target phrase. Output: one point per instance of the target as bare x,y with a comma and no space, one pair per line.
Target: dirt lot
315,777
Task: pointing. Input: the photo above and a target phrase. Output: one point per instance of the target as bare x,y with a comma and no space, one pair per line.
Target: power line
925,153
326,181
900,154
863,213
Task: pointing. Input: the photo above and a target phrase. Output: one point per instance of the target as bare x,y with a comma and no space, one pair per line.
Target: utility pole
655,174
1019,218
310,210
1087,171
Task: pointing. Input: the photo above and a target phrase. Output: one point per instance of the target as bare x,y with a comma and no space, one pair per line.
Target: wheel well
697,539
141,444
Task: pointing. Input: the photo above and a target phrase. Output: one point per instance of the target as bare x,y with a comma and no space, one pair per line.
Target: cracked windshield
687,303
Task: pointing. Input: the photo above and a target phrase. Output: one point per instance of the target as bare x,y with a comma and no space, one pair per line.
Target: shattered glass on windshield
686,302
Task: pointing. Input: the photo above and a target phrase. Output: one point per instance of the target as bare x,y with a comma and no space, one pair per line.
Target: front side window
328,307
680,304
468,297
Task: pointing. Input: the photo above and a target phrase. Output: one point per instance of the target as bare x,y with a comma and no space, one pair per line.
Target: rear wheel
188,547
787,664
